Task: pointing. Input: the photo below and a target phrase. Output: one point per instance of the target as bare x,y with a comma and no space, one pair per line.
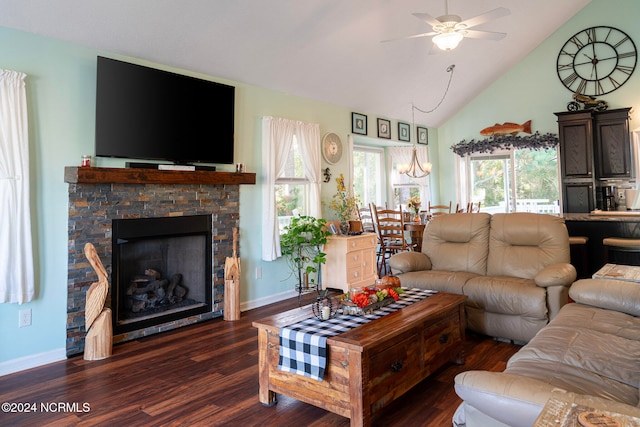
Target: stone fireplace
100,198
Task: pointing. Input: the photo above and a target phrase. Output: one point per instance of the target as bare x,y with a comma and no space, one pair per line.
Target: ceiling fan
449,30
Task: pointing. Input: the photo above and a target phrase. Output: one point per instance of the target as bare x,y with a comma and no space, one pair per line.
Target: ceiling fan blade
427,18
485,17
415,36
485,35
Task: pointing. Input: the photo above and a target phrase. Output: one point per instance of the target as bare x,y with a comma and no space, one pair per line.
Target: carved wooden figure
232,283
99,338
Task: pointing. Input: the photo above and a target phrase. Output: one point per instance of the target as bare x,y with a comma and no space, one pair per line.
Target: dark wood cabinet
576,145
613,144
594,146
578,197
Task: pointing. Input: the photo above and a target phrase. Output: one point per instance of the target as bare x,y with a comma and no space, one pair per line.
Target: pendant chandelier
415,169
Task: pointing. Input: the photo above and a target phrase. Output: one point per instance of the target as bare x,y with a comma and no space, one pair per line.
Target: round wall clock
332,148
596,61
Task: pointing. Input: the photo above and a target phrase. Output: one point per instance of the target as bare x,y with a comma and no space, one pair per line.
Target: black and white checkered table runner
303,345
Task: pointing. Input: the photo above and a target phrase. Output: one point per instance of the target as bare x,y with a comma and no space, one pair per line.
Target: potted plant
344,205
301,245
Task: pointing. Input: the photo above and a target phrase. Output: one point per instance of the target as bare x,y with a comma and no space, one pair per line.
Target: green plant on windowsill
301,245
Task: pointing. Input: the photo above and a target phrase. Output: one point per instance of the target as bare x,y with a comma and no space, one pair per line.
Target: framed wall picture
404,132
384,129
423,135
359,123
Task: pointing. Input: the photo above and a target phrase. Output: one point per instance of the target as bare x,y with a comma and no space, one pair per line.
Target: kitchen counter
618,216
597,227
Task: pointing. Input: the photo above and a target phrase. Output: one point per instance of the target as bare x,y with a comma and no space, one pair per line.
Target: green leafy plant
301,245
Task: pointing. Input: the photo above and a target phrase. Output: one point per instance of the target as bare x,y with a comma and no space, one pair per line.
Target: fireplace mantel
93,175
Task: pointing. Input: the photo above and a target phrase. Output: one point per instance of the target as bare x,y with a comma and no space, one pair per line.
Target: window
405,187
292,189
368,175
279,166
513,181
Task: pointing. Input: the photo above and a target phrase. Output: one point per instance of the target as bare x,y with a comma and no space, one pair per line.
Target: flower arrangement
342,203
413,204
372,296
369,299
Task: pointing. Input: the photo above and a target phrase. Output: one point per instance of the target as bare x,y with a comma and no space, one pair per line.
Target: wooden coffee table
371,365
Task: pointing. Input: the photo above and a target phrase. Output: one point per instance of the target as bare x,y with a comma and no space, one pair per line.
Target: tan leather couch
590,349
514,268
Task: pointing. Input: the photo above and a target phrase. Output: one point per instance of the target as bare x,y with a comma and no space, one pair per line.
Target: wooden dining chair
470,208
473,209
389,225
435,210
366,218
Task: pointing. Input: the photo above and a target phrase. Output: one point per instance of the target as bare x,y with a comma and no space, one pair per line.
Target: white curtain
277,138
16,254
403,155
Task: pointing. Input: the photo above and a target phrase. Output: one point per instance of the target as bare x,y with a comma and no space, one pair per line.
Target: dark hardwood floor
206,374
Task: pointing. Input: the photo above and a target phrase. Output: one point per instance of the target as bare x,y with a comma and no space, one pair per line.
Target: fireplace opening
162,270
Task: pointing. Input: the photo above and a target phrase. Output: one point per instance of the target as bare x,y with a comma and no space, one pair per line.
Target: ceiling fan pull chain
450,69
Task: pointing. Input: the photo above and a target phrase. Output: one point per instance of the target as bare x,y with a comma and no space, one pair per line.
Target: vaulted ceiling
327,50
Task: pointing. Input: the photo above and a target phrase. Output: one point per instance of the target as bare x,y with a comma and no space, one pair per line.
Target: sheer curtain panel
16,254
277,139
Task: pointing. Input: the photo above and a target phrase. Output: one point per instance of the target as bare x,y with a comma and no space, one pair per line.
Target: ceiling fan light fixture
448,41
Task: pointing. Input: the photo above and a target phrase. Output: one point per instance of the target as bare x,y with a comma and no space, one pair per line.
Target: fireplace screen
161,270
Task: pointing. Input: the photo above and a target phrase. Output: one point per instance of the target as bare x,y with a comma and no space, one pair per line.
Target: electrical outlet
620,194
24,318
258,272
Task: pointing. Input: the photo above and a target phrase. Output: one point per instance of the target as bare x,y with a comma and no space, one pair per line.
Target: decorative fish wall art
507,128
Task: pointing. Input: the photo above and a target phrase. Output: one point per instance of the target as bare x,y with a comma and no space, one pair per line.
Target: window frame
463,174
304,182
382,190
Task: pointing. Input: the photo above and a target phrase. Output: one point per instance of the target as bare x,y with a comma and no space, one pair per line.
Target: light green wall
532,90
61,96
61,99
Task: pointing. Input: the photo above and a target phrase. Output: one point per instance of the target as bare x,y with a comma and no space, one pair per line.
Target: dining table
415,231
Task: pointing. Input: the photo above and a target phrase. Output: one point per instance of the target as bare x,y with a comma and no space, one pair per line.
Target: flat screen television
151,114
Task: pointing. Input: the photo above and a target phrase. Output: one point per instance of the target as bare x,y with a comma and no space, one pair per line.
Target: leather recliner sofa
589,353
514,268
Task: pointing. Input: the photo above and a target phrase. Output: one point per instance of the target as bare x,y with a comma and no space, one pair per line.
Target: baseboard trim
248,305
32,361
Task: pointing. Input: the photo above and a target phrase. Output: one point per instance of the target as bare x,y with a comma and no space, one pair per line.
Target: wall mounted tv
150,114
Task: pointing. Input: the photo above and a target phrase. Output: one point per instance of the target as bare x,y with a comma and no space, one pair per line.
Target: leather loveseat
589,351
514,268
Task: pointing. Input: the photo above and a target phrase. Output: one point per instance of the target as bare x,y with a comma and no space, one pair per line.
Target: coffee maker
609,198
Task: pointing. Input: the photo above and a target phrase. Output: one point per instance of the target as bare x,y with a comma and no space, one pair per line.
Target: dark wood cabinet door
576,145
578,197
612,144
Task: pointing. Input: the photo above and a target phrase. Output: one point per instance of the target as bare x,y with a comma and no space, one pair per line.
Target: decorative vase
344,227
